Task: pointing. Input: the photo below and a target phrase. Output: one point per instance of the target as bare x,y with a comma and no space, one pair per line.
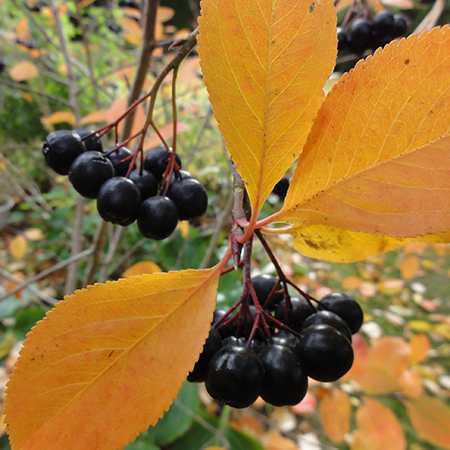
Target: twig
114,242
99,243
148,45
222,219
47,299
24,88
47,272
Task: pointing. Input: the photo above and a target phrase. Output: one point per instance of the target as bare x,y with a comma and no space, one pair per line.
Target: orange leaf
23,29
379,428
335,411
411,384
164,13
338,245
431,419
131,27
410,266
94,117
420,346
23,71
379,371
106,362
59,117
141,268
377,157
265,80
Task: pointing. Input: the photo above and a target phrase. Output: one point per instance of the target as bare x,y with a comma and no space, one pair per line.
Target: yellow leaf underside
106,362
265,63
377,157
338,245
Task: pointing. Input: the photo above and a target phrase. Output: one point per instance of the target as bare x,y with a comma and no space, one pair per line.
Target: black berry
88,172
346,307
400,26
285,379
60,150
191,198
118,201
157,218
297,314
92,143
156,161
328,318
212,344
325,352
383,23
145,181
117,157
359,35
235,376
264,284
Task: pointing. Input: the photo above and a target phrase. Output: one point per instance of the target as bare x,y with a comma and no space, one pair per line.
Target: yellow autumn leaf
264,65
23,71
18,247
338,245
59,117
376,160
431,419
106,362
141,268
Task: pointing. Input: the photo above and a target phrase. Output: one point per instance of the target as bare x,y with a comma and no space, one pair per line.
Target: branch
47,272
148,45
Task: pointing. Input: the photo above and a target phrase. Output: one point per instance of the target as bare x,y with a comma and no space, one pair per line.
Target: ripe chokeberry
212,344
346,307
156,161
400,25
263,285
88,173
235,376
60,150
285,379
117,157
359,35
383,23
282,337
118,201
300,309
225,329
157,217
92,143
191,198
145,181
328,318
325,352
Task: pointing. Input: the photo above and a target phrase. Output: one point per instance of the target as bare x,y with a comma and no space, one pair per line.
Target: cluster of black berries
120,199
363,35
236,371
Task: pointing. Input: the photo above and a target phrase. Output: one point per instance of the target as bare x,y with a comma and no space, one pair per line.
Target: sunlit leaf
59,117
335,411
377,157
431,419
264,65
164,13
24,71
338,245
378,428
141,268
106,362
